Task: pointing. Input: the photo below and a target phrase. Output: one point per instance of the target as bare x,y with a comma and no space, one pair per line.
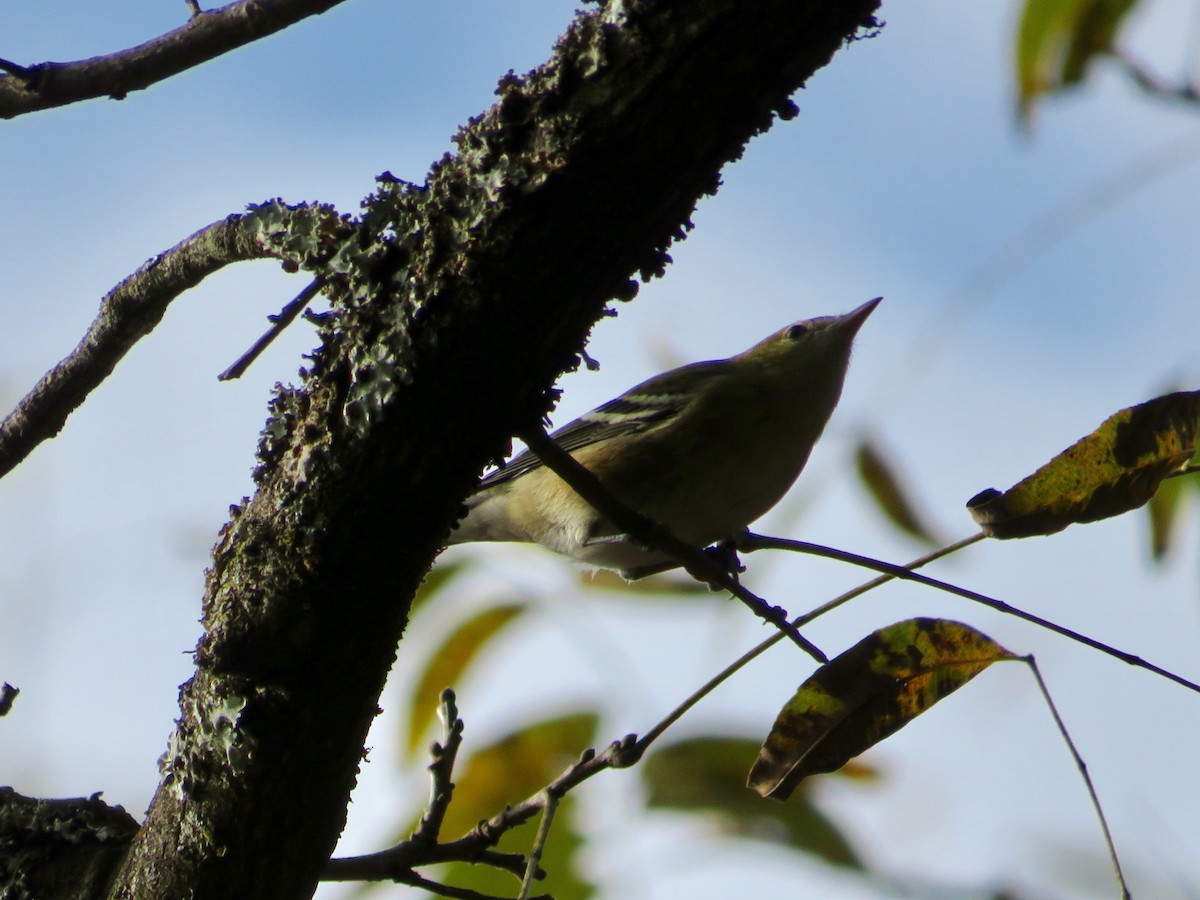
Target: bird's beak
852,321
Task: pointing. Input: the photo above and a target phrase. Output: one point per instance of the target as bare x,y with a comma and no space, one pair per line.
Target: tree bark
463,302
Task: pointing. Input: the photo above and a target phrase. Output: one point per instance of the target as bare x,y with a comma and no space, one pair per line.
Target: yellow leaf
885,486
1116,468
1057,39
449,661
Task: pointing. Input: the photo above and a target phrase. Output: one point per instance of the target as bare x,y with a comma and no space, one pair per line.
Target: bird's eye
797,331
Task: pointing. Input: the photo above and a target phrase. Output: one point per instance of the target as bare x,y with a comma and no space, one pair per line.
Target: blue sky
904,176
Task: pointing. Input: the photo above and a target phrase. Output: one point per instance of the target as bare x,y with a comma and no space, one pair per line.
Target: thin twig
279,321
617,755
12,68
448,890
762,542
202,38
645,531
1083,770
750,655
884,579
397,863
422,847
629,750
441,771
533,869
1154,85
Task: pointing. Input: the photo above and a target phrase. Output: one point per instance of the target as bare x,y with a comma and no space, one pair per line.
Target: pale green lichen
216,731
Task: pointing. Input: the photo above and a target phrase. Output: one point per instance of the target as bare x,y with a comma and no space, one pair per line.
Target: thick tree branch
128,312
65,849
455,308
205,36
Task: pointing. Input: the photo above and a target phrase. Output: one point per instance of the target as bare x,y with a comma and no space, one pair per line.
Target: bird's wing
651,404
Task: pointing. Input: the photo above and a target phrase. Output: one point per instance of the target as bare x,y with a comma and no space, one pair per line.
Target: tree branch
1154,85
751,542
279,322
205,36
127,313
396,863
455,308
302,236
60,848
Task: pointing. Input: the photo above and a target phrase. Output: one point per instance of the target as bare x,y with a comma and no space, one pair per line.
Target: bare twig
884,579
1153,84
422,848
128,312
204,37
617,755
397,863
653,534
533,867
1083,770
750,655
279,321
17,71
441,771
476,845
762,542
449,890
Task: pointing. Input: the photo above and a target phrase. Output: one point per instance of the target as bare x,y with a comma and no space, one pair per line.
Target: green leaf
1058,39
869,692
886,488
704,775
1163,512
1164,508
448,662
1116,468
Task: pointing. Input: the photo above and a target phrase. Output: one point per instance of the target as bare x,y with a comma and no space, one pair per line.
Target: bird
704,450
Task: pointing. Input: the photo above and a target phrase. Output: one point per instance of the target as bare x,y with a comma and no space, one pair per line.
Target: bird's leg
726,556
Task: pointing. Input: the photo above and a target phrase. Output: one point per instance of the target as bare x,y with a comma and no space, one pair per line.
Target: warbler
704,449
